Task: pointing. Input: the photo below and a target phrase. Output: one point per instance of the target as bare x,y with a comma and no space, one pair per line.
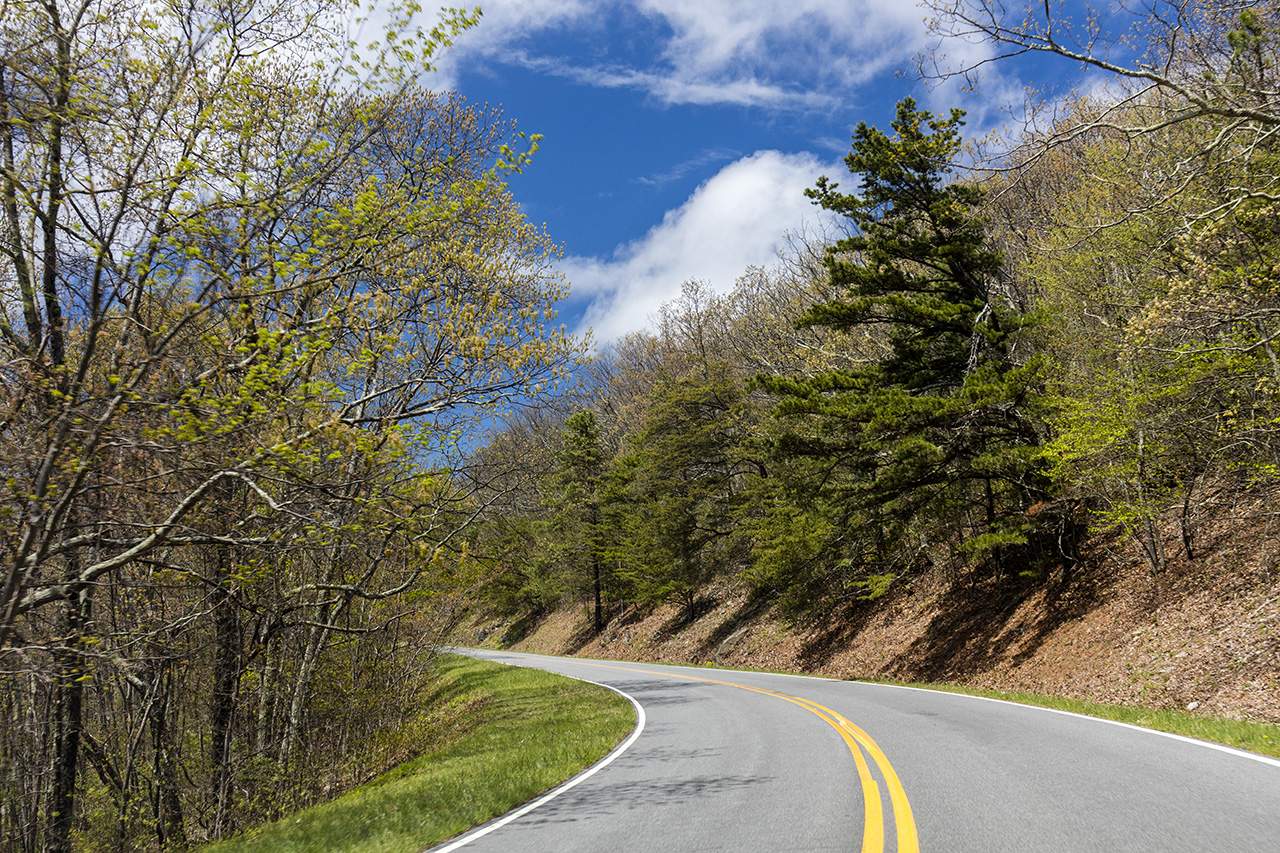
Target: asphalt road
745,762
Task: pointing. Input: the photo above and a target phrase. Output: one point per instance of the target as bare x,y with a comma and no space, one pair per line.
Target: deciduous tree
256,288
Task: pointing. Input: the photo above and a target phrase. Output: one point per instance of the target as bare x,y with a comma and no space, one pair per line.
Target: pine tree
679,488
579,481
940,435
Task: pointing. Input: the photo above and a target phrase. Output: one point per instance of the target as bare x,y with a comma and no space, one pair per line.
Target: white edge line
555,792
462,650
1208,744
1198,742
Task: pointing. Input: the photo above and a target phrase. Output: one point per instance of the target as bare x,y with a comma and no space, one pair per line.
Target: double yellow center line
857,740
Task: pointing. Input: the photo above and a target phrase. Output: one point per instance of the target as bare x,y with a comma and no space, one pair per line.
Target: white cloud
776,54
736,219
779,53
506,23
844,42
665,86
680,170
675,88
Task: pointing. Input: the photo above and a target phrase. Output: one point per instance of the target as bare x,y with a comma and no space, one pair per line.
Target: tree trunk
167,806
1149,535
997,553
316,640
226,674
20,800
1185,522
595,568
68,709
263,734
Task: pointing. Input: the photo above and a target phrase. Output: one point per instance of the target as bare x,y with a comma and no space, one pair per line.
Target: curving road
744,762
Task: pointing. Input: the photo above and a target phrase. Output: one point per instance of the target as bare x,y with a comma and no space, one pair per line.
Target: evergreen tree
677,492
939,435
576,504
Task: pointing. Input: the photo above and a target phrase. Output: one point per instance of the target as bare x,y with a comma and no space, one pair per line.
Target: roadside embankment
506,735
1203,636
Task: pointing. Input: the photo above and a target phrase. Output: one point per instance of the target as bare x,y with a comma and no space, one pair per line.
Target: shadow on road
597,801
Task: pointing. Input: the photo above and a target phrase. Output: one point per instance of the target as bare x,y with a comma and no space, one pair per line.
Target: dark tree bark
68,712
167,806
226,674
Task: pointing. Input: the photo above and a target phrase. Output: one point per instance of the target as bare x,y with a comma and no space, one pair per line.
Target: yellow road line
873,809
908,840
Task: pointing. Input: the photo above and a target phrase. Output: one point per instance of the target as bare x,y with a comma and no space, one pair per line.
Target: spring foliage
257,288
984,364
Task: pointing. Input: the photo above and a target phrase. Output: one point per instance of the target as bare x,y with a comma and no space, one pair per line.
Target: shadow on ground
976,630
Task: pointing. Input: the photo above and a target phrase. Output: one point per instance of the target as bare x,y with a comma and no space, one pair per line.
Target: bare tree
1207,63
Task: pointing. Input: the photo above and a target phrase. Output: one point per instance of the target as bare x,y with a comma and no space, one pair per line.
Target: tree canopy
258,289
994,355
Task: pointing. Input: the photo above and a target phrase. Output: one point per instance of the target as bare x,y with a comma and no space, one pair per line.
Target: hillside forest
283,398
976,370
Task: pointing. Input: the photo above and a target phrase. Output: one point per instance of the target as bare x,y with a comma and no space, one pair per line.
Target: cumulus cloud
737,218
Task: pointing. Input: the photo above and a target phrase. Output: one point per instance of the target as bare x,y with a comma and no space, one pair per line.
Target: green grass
1256,737
525,731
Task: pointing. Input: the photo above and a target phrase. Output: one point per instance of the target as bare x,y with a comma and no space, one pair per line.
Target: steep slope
1202,636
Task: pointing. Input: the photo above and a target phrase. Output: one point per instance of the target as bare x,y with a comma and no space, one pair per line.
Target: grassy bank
514,733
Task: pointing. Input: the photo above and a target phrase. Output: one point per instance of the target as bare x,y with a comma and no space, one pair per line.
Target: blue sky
679,135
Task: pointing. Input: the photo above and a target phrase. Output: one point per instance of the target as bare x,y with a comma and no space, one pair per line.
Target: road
742,762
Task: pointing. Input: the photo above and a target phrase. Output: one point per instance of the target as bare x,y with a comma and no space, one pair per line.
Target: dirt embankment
1204,635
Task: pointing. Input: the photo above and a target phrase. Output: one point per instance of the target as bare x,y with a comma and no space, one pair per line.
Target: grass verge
1262,738
524,731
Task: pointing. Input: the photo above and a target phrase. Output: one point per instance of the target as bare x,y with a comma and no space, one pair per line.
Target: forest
252,299
989,359
283,398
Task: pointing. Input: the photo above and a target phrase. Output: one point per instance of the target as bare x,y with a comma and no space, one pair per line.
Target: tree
945,422
677,492
763,336
1168,376
1206,64
511,473
576,494
1159,291
256,288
